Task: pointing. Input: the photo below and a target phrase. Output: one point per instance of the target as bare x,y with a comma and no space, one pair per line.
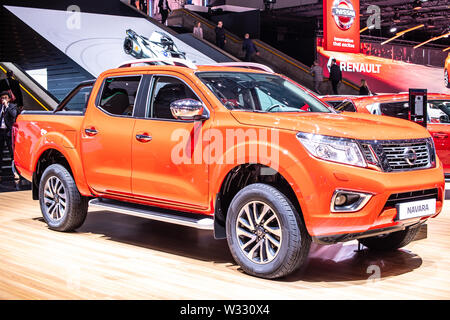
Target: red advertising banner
341,25
390,68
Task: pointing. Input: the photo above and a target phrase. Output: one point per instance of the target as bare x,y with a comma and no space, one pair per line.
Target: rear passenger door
106,135
159,175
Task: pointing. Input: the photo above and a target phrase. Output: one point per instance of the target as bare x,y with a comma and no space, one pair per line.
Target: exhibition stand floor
115,256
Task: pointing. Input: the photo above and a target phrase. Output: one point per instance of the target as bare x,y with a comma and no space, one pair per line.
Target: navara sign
341,25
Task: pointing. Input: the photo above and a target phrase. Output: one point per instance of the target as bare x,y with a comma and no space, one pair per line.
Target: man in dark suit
8,116
12,84
335,76
250,49
164,9
220,35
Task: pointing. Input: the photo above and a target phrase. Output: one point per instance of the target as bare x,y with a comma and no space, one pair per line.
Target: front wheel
62,205
265,233
391,241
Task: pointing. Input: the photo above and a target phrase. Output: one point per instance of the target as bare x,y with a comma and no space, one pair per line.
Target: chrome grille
396,155
400,155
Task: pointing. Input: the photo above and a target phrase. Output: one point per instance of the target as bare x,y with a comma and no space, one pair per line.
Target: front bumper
318,183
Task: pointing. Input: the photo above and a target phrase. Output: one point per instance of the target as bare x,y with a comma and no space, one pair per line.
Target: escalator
268,55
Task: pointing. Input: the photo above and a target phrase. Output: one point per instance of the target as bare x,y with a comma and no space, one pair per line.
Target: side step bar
197,221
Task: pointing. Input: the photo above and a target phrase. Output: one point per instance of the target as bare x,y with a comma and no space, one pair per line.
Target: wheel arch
241,176
52,154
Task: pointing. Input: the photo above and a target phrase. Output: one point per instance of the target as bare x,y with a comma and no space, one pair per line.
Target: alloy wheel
55,199
258,231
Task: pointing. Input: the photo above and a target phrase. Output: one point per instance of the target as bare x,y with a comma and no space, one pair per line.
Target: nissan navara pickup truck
243,152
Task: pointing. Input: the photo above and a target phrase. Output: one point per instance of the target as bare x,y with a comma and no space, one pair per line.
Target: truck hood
346,125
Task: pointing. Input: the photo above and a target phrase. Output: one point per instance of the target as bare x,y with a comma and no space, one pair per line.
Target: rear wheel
62,205
265,233
392,241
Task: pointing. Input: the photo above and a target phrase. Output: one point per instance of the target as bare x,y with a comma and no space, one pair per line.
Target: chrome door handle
143,138
90,131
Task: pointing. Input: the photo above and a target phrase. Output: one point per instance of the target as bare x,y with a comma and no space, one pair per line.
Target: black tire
76,205
128,46
291,254
392,241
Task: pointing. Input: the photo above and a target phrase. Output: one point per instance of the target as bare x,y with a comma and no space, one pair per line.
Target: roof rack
159,61
189,64
248,65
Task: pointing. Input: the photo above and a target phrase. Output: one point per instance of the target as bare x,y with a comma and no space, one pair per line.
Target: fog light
348,201
340,200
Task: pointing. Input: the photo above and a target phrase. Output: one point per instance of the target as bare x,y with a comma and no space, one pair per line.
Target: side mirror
444,119
187,109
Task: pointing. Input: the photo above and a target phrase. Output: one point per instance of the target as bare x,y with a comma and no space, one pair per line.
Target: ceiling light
396,17
417,5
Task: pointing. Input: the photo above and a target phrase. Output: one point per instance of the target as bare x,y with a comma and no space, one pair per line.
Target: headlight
334,149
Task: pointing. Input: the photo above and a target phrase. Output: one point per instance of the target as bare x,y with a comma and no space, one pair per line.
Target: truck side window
79,101
119,95
165,91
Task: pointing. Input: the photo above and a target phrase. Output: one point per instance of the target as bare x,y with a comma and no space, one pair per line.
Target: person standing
317,74
164,9
250,49
198,31
8,116
364,88
335,76
12,84
220,35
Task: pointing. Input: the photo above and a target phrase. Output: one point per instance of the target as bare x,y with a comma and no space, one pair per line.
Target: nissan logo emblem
410,156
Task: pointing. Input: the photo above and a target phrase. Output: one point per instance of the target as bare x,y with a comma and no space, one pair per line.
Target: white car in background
159,45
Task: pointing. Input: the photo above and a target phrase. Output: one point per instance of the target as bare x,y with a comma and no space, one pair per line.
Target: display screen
389,68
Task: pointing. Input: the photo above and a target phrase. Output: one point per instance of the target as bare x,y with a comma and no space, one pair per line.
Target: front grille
397,198
393,155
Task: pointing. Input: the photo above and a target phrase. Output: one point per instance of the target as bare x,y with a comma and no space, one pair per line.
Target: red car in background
396,105
447,71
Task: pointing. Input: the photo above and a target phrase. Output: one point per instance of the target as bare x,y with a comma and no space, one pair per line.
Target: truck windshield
260,92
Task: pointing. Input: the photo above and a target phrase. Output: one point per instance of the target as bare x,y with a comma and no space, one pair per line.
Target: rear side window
79,101
395,109
118,95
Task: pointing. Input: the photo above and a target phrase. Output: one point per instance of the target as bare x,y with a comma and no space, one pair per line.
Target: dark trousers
249,57
5,138
334,84
220,43
164,15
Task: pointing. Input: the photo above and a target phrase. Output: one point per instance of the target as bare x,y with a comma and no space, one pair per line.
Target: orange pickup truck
248,154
